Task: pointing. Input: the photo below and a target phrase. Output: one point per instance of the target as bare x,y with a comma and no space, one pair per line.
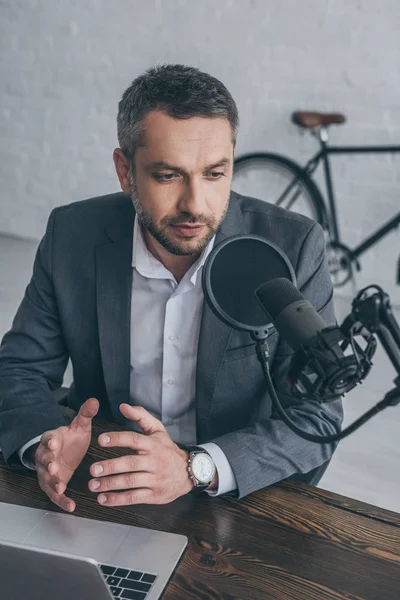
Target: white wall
65,65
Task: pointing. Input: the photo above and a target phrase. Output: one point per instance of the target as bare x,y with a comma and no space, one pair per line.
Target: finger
60,487
124,464
123,482
56,485
126,439
51,481
48,485
50,440
61,500
139,496
87,411
49,464
45,457
48,474
52,467
147,422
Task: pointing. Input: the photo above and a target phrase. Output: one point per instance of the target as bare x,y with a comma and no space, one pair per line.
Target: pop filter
234,270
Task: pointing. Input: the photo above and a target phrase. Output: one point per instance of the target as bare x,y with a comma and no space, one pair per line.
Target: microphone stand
372,313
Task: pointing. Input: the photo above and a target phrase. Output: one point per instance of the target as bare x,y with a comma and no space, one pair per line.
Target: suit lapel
214,334
113,289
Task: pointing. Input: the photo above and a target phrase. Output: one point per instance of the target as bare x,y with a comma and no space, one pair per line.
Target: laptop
46,555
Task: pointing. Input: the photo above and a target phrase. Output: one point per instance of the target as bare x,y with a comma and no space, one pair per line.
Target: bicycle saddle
311,120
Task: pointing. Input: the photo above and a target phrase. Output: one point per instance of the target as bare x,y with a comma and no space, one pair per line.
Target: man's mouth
188,229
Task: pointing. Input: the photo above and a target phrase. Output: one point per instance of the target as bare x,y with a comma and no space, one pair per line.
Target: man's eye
170,176
164,177
216,175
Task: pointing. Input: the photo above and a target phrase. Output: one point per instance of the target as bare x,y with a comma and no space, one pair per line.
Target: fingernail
105,439
98,469
102,498
95,485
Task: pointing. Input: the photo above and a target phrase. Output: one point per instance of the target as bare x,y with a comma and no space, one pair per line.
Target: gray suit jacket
77,305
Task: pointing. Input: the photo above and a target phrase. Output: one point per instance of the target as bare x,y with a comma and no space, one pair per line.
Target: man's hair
177,90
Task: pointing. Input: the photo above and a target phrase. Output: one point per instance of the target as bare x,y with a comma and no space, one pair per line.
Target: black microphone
294,317
319,367
247,282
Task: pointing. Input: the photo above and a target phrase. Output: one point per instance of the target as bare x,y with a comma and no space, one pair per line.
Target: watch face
203,467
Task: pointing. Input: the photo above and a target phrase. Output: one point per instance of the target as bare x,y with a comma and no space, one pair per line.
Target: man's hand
154,472
61,451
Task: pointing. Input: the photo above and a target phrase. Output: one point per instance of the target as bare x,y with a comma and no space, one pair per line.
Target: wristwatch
201,467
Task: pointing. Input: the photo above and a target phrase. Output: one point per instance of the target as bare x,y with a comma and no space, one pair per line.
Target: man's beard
159,231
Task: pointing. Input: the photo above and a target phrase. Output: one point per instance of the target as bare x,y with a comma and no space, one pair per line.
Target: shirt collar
149,266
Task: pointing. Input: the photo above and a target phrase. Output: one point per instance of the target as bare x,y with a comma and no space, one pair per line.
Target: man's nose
192,199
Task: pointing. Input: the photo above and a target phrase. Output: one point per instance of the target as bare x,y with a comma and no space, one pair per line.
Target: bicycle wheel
281,181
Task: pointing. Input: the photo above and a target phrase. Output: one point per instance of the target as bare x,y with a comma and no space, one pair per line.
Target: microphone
249,283
319,369
294,317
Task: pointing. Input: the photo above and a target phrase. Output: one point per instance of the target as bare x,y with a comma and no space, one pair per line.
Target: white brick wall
65,65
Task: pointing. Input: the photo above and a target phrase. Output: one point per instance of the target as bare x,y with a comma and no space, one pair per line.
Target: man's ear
123,170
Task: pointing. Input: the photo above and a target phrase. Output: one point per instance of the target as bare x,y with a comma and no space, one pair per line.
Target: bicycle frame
323,155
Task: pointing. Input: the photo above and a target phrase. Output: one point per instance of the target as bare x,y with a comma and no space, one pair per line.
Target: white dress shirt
165,326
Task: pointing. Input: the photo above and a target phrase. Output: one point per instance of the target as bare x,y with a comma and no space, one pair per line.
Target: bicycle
296,189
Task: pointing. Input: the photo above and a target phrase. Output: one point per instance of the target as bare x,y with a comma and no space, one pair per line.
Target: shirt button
171,381
171,338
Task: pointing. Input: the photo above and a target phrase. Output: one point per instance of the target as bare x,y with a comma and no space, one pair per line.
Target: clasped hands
154,470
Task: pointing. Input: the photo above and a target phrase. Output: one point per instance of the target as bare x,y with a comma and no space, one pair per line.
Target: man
116,287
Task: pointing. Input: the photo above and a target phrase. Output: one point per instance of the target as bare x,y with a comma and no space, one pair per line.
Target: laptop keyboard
124,583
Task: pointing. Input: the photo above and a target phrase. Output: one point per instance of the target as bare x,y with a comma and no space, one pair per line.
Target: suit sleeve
226,476
33,359
22,453
267,450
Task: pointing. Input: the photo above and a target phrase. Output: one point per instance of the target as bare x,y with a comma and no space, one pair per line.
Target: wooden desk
286,542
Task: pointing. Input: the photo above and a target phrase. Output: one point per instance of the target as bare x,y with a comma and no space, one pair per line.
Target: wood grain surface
287,542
